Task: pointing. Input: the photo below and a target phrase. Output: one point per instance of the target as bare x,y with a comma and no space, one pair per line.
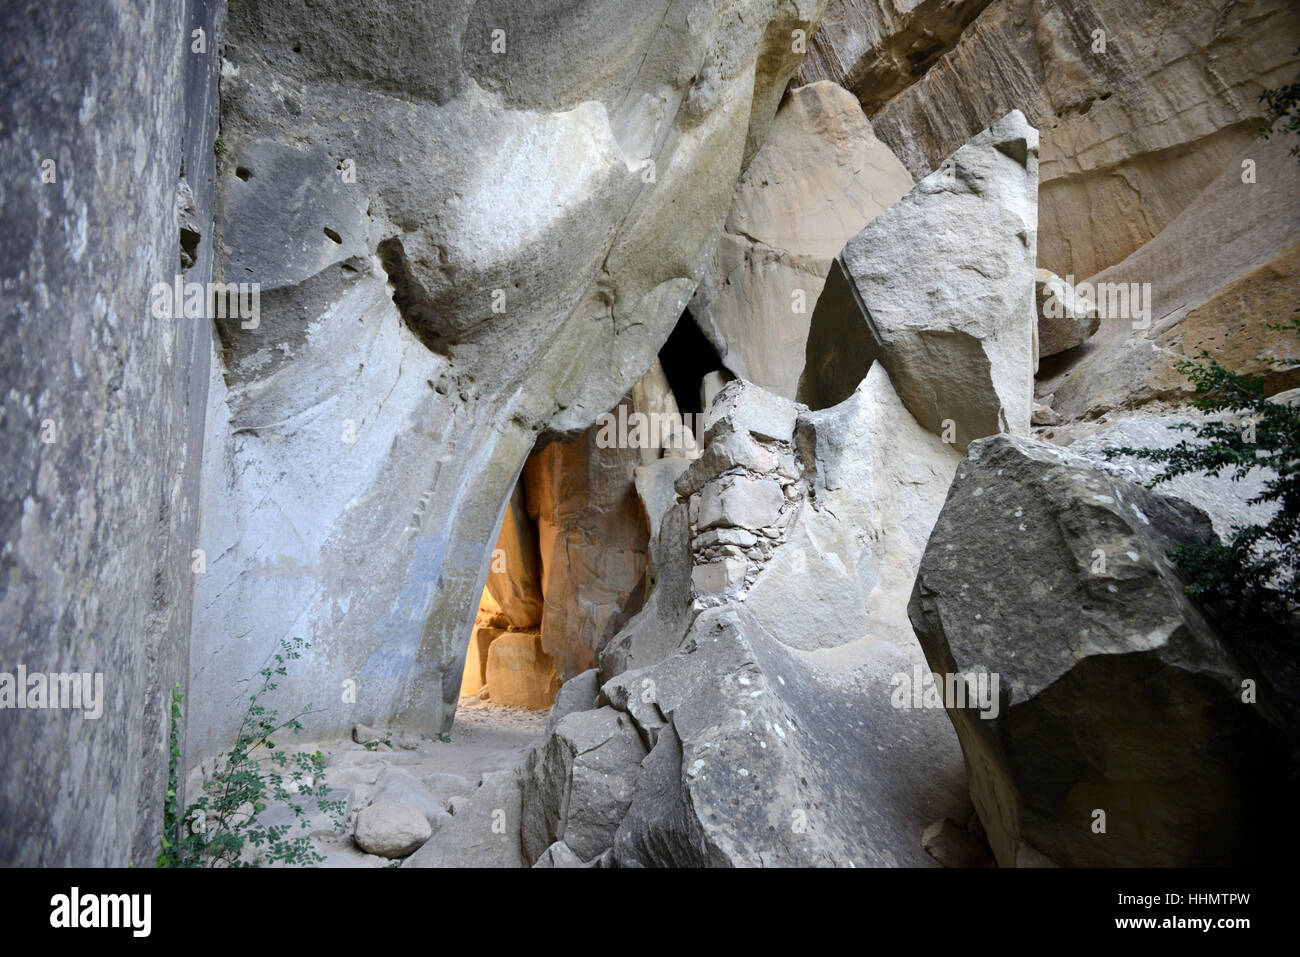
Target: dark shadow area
687,357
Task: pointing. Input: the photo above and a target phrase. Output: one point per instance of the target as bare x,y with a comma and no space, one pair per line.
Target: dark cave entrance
692,365
568,567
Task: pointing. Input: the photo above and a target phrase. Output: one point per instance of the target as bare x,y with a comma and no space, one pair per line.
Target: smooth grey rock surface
515,244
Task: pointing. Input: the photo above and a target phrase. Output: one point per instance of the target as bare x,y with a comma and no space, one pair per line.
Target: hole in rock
507,664
333,235
244,173
569,566
688,359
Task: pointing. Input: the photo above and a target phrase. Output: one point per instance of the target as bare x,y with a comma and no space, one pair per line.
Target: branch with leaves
224,822
1256,572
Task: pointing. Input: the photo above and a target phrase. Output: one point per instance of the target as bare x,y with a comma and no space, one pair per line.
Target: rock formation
1064,318
1215,279
1128,731
1141,104
626,448
479,248
818,180
762,751
102,428
949,312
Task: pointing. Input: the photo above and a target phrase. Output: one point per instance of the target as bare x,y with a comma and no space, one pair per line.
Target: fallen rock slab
939,289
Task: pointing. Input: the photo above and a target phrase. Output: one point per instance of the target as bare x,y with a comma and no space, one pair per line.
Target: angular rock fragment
940,290
820,177
483,831
1065,319
579,783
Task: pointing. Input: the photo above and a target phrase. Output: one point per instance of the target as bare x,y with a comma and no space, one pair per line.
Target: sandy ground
434,775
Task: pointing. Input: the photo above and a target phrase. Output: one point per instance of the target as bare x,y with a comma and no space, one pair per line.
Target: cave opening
506,664
694,370
568,568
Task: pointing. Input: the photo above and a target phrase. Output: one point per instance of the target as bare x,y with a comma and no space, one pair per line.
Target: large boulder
820,177
579,782
765,756
519,672
1142,102
1125,731
460,249
940,290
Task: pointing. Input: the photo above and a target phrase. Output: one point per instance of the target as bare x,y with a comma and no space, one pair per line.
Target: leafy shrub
1283,115
223,823
1255,575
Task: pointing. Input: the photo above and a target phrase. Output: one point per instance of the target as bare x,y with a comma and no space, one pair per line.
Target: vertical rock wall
102,427
1140,104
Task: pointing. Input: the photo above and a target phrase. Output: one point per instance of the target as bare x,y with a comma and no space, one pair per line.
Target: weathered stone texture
101,431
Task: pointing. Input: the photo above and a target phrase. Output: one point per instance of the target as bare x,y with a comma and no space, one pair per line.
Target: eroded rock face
459,249
1115,695
519,672
820,177
101,409
1133,130
514,582
940,290
773,731
878,49
876,481
1215,279
1225,500
593,534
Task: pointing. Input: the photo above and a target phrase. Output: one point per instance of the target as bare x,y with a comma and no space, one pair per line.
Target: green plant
1283,114
169,856
1255,574
219,147
224,822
